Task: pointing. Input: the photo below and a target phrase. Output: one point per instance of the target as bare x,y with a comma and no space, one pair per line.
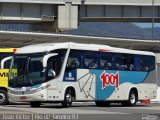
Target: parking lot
81,111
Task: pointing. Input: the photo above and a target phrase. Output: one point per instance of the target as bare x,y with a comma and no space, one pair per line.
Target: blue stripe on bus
133,77
36,86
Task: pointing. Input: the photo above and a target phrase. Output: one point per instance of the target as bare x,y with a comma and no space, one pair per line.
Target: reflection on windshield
29,70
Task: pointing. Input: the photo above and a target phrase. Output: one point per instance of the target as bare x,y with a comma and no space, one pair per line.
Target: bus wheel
67,99
35,104
102,103
3,97
132,100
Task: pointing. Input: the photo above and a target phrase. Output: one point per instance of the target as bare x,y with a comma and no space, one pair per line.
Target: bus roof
7,50
47,47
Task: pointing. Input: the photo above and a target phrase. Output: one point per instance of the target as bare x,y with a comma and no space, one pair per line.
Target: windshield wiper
30,80
20,76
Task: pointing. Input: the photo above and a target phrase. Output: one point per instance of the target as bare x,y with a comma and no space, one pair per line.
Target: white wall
158,78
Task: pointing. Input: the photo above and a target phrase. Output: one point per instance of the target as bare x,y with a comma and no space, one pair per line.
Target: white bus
67,72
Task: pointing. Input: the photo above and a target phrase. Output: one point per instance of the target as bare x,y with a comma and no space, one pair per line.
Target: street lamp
152,19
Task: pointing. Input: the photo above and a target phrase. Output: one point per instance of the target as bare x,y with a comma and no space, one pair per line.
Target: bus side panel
147,90
115,85
92,84
86,82
82,81
4,78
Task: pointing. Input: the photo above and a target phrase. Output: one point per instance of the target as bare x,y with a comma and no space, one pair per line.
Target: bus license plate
23,98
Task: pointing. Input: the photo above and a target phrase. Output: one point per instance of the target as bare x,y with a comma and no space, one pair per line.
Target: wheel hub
69,98
133,98
2,97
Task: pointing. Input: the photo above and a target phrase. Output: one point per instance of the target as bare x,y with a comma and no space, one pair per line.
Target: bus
75,72
4,52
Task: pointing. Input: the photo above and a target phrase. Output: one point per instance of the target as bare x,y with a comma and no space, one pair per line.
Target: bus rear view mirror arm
4,60
46,57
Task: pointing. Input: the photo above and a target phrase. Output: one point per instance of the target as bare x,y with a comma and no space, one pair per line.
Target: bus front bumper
38,96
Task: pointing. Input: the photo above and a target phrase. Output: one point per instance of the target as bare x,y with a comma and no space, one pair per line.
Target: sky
147,25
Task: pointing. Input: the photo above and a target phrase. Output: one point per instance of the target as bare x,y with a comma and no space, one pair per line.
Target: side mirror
4,60
46,57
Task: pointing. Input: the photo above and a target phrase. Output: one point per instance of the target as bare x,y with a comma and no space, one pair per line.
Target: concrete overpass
65,14
20,39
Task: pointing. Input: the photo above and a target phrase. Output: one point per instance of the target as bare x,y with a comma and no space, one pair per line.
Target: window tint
120,62
52,70
106,61
109,61
137,63
143,63
54,64
148,63
74,60
130,62
91,60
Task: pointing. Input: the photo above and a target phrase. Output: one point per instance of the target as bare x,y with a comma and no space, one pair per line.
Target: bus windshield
4,55
29,70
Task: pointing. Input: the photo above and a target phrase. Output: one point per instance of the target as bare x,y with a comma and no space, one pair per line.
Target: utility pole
152,19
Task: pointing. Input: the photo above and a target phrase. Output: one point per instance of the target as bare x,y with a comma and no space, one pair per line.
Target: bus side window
120,62
144,63
93,64
74,60
137,63
130,62
55,63
73,63
51,68
91,60
145,66
148,63
106,61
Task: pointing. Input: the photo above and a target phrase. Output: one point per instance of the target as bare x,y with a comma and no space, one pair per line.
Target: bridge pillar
66,19
67,16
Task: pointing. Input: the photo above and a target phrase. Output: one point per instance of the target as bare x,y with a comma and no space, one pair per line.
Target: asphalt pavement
79,111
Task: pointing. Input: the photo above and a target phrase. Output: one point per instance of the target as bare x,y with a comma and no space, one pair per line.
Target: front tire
67,100
3,97
35,104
